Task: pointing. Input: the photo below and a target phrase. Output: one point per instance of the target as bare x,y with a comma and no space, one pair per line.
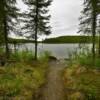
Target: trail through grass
54,90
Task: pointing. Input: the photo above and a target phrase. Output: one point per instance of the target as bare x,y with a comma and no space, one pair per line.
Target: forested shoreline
23,73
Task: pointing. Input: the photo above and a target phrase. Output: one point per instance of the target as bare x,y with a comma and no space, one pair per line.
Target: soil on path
54,89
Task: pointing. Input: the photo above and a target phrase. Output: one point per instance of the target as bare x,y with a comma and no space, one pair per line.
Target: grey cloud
65,14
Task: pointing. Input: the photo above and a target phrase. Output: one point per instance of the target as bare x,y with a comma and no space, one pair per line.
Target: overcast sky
65,14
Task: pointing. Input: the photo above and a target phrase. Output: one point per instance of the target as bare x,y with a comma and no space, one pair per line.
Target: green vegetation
28,56
23,73
22,56
69,39
81,83
90,23
12,40
82,77
8,13
37,19
84,58
22,78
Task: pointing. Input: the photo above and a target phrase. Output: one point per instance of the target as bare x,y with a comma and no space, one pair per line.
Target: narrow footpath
54,89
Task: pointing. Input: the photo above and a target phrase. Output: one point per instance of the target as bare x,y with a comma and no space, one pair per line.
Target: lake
58,50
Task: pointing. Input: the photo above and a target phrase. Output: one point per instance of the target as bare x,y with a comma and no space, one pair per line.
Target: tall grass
44,56
28,56
22,56
82,77
84,58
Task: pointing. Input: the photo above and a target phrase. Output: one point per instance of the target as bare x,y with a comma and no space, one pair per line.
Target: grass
82,78
22,56
28,56
84,58
85,83
45,56
20,81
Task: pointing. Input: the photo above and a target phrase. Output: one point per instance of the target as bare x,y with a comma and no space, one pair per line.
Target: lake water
58,50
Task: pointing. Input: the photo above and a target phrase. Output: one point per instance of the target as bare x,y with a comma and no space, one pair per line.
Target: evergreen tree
98,29
8,18
1,23
88,21
38,19
99,37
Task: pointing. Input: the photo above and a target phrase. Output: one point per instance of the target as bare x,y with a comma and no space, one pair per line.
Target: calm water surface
58,50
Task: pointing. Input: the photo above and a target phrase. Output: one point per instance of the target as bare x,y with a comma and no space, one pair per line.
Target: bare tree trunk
6,38
36,29
99,45
94,35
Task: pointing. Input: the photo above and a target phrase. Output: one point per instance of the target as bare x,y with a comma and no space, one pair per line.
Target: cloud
65,14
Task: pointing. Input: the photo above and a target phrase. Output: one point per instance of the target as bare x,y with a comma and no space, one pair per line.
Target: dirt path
54,88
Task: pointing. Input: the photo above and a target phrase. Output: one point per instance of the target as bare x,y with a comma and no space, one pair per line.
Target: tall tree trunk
36,30
94,18
6,38
36,43
99,45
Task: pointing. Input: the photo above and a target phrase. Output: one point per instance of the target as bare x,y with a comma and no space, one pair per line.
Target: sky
64,16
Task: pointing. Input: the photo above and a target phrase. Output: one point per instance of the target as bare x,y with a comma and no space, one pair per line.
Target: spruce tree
8,20
88,20
1,23
38,19
98,37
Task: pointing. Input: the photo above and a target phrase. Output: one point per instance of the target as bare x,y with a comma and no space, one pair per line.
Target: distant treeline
12,40
70,39
62,39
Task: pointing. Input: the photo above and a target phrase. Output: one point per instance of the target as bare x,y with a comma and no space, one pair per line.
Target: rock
52,58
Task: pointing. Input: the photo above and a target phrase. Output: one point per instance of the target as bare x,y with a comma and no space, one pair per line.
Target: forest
61,68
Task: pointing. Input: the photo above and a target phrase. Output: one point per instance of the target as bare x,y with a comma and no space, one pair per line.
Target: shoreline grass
81,78
21,80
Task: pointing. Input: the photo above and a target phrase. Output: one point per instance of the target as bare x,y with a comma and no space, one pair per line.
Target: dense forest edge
13,40
61,39
70,39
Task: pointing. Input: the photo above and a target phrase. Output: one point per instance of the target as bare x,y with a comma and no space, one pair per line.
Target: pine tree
1,24
98,29
8,20
88,21
99,37
38,19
